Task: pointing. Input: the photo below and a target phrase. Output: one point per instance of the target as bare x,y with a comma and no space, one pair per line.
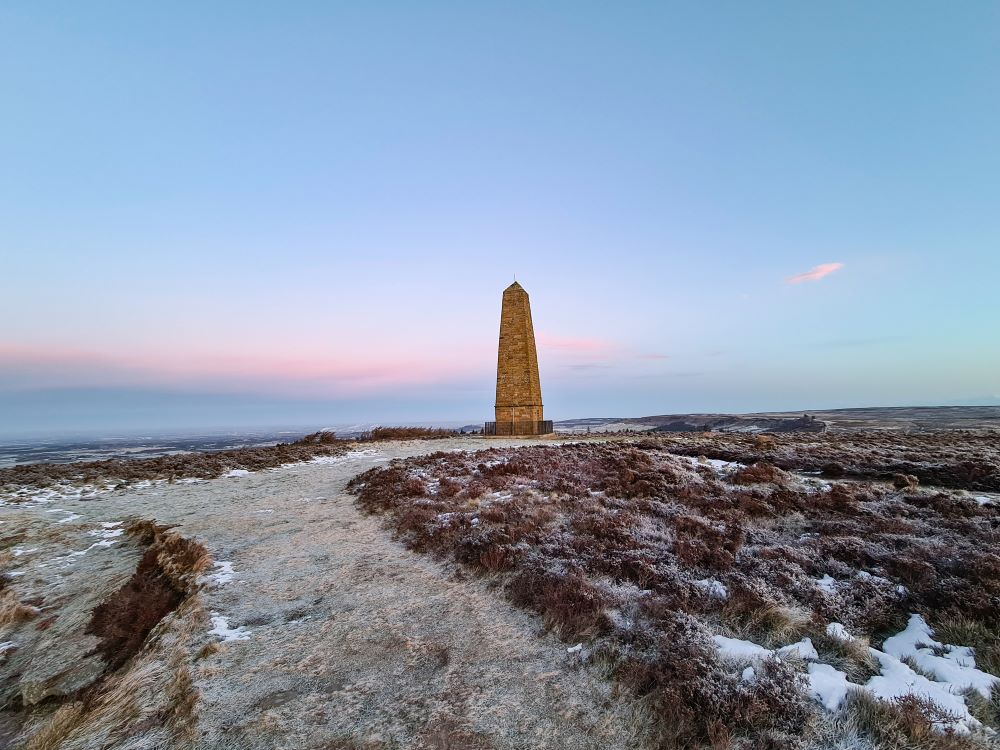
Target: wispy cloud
654,356
816,273
588,366
591,345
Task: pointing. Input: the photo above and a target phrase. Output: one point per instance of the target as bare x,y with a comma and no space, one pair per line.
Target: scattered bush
406,433
760,473
323,437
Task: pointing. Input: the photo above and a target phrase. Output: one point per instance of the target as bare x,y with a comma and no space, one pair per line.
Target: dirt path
348,640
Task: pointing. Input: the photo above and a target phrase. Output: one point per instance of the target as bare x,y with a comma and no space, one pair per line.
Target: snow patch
736,649
718,465
898,680
839,632
829,686
804,650
220,628
955,665
237,473
223,573
953,669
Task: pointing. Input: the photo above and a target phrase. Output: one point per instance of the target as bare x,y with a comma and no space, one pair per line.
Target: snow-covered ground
946,673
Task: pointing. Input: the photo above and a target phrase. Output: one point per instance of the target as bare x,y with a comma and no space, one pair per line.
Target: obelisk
519,393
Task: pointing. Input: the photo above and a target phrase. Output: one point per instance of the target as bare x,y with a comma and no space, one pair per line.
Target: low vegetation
406,433
644,557
185,465
959,459
121,473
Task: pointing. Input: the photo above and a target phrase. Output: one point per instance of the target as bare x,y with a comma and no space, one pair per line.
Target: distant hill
903,418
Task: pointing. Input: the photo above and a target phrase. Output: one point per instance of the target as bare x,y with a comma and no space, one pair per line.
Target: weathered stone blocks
519,393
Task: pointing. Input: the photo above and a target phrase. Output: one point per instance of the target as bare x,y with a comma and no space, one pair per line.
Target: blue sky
314,207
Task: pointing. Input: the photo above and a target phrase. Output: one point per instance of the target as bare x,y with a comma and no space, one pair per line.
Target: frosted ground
304,622
311,628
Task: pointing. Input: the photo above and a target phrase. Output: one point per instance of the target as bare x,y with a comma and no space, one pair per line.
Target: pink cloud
816,273
54,366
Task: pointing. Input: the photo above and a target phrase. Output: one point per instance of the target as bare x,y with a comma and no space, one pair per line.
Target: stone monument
519,393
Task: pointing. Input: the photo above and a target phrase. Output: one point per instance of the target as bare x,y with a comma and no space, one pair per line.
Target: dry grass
771,624
904,724
182,697
986,710
103,718
13,611
50,736
956,627
851,657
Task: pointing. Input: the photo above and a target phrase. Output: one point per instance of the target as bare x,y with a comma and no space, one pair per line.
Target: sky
226,214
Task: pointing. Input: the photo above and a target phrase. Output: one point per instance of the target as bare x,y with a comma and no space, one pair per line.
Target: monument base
511,429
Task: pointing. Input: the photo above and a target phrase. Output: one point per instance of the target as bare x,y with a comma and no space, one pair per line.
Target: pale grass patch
774,624
14,611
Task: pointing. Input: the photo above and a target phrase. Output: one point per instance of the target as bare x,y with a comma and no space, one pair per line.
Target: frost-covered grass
959,460
736,600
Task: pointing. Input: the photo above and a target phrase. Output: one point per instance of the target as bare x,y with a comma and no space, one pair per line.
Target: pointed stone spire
519,393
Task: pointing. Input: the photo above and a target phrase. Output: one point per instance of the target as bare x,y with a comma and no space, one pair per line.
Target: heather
959,459
645,558
182,465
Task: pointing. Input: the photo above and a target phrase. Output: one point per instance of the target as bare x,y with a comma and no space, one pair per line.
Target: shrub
406,433
760,473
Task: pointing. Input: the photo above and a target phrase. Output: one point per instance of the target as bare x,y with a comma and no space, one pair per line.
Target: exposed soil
164,576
